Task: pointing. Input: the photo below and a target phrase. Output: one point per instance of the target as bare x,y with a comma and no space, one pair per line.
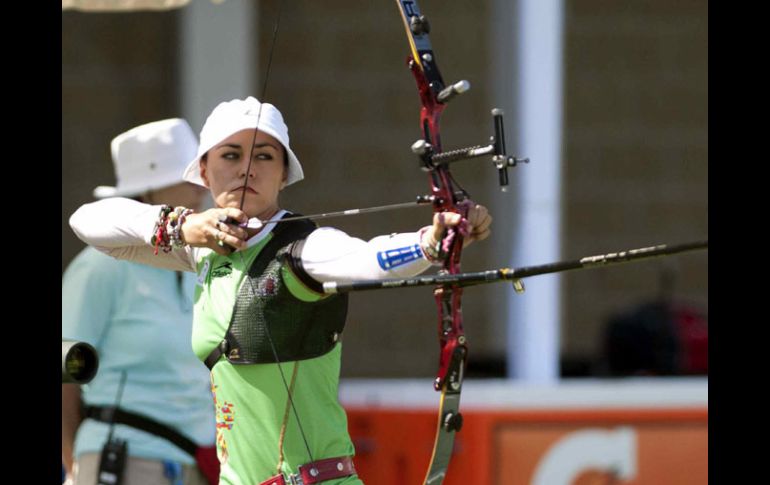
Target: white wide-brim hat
230,117
149,157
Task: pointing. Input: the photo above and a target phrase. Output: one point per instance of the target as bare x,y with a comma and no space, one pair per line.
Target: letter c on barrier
609,450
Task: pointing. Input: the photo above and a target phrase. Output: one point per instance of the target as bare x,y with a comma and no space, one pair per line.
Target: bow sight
496,148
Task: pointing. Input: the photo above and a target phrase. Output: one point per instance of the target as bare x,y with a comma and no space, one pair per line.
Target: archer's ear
204,172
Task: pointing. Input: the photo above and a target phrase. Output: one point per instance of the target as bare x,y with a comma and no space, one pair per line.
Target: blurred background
609,101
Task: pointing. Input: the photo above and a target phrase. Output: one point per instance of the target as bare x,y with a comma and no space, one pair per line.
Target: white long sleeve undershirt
122,228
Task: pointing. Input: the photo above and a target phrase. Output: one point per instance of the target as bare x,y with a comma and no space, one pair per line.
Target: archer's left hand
473,228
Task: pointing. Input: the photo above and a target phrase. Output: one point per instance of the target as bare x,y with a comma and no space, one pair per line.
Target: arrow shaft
354,212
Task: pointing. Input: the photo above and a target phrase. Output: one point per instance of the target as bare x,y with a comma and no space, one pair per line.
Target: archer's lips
248,189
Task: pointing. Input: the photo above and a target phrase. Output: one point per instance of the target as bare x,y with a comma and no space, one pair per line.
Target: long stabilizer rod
515,274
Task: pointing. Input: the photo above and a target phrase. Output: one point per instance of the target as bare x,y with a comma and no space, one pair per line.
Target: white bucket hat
230,117
149,157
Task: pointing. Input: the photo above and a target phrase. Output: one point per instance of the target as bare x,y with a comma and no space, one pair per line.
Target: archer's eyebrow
266,144
239,147
228,145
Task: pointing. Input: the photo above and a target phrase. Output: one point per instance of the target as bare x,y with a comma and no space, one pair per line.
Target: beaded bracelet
174,226
159,234
167,233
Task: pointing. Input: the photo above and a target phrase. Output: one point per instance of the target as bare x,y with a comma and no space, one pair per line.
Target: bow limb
446,198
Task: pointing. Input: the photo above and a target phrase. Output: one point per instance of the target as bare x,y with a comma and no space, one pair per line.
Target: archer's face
224,172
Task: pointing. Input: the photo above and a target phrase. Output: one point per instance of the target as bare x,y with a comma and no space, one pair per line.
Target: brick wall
635,154
635,144
118,71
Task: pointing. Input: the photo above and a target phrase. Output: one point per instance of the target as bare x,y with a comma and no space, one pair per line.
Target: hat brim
107,191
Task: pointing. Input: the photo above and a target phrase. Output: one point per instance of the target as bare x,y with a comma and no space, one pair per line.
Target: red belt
316,472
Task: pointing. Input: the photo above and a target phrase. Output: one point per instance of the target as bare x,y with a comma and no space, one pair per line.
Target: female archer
262,324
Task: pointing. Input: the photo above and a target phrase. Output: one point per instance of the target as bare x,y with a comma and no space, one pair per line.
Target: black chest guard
265,309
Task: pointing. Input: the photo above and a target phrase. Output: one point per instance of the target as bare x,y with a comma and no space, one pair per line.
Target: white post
528,64
219,56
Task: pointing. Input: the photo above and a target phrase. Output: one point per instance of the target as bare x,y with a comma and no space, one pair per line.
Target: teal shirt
139,321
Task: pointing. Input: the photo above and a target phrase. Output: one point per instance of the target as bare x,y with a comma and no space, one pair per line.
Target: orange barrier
628,446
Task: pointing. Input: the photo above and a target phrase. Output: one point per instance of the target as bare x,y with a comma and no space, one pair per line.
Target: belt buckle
295,479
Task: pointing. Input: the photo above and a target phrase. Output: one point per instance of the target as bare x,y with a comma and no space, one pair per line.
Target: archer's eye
231,155
263,156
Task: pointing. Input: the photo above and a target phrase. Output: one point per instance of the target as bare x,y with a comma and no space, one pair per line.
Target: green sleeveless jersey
251,400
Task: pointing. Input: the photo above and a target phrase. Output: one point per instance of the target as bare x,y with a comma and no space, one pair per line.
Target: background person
139,320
